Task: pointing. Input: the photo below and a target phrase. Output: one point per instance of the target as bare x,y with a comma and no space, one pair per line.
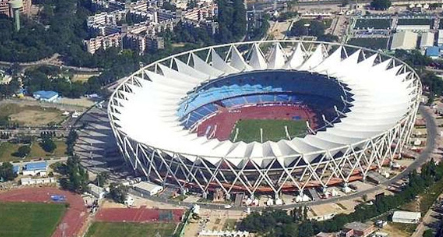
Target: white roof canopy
382,97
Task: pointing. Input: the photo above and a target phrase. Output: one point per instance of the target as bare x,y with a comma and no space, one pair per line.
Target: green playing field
29,219
105,229
273,130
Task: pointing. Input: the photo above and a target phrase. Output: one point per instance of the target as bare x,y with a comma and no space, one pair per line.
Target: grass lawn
105,229
415,21
273,130
230,224
7,149
83,77
37,151
372,43
428,198
408,228
327,23
30,219
373,23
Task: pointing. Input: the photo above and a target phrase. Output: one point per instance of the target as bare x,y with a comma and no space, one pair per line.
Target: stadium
265,117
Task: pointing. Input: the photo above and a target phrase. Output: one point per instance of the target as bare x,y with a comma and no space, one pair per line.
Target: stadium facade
369,108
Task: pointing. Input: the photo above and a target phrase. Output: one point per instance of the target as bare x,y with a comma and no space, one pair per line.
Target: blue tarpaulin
58,198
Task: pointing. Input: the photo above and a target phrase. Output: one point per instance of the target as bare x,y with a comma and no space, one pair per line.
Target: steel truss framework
274,174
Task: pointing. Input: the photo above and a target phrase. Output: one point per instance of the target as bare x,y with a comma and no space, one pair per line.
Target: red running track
225,119
141,214
75,216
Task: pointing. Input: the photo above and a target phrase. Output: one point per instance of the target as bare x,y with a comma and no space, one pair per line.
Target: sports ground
135,222
30,219
141,214
260,130
106,229
271,118
44,215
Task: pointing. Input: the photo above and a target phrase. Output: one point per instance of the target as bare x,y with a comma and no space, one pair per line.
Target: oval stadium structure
265,117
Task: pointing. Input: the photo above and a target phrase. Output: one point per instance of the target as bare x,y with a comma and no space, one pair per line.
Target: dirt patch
82,102
396,230
36,118
30,115
83,77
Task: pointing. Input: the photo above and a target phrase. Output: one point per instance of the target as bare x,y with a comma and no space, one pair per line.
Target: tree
70,142
317,28
428,233
434,6
327,38
286,15
169,6
380,4
365,198
48,144
300,28
306,229
118,192
22,151
7,171
231,20
191,4
77,178
101,179
274,223
290,230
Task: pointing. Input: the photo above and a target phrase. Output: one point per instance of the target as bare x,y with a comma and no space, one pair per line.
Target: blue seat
293,87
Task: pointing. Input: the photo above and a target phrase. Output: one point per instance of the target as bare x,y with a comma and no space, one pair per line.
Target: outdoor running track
225,119
141,214
75,216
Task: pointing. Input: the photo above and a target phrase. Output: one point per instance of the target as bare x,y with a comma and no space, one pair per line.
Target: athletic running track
141,214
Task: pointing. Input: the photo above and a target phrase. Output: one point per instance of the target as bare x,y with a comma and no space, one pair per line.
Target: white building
4,78
147,188
196,209
412,27
406,217
35,168
30,181
404,40
427,40
103,42
440,37
106,18
323,217
129,201
96,191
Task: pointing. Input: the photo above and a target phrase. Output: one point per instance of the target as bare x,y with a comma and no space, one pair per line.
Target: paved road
429,221
34,63
431,145
52,61
429,218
